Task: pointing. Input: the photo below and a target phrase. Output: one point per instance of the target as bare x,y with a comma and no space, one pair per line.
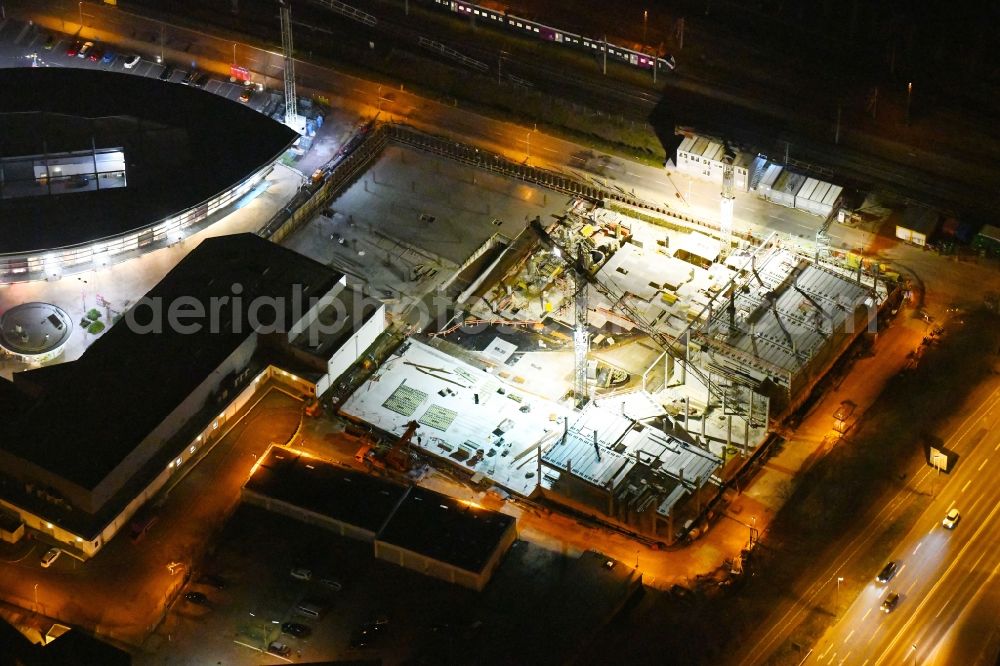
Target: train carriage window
536,29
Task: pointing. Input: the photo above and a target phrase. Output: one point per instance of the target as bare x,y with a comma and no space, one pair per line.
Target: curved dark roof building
101,163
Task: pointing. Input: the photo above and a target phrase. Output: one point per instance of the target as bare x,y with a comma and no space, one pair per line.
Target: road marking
832,657
983,465
866,662
940,580
845,658
849,637
946,604
874,633
865,616
918,547
910,588
997,447
965,486
828,648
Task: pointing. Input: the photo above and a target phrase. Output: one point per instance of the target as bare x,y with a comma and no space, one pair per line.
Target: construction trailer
917,225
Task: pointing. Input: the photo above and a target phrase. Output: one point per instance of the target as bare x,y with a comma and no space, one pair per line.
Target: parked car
74,48
888,571
189,77
295,629
132,60
196,598
109,57
200,80
279,648
50,42
301,573
890,602
951,519
50,556
167,72
93,53
246,94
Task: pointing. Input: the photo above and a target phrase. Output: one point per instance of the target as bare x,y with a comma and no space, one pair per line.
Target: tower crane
583,277
292,117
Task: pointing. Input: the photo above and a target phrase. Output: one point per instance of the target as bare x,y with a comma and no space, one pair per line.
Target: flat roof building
96,166
412,527
96,437
447,538
336,498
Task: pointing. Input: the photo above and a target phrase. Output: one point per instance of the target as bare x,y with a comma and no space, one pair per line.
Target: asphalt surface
214,53
943,573
122,591
803,121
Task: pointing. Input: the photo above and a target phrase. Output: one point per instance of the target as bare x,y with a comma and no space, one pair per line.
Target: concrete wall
353,348
429,566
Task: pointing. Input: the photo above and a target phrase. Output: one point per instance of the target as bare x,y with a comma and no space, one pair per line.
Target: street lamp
83,295
528,141
909,98
645,16
80,5
840,580
36,597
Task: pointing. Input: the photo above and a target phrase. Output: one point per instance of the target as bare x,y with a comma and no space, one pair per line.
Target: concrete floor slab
462,410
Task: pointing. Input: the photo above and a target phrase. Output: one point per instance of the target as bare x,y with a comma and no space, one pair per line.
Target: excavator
394,456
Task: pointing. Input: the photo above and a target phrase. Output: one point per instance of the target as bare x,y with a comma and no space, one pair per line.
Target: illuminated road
213,53
943,574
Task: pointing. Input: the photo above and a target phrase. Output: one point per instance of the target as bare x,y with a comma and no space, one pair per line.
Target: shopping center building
97,167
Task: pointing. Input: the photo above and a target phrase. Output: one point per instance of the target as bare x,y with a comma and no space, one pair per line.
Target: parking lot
420,619
22,45
255,556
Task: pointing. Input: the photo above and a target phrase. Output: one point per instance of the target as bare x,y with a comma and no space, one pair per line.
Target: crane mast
292,117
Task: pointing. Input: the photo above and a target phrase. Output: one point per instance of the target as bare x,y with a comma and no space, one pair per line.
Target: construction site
604,360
